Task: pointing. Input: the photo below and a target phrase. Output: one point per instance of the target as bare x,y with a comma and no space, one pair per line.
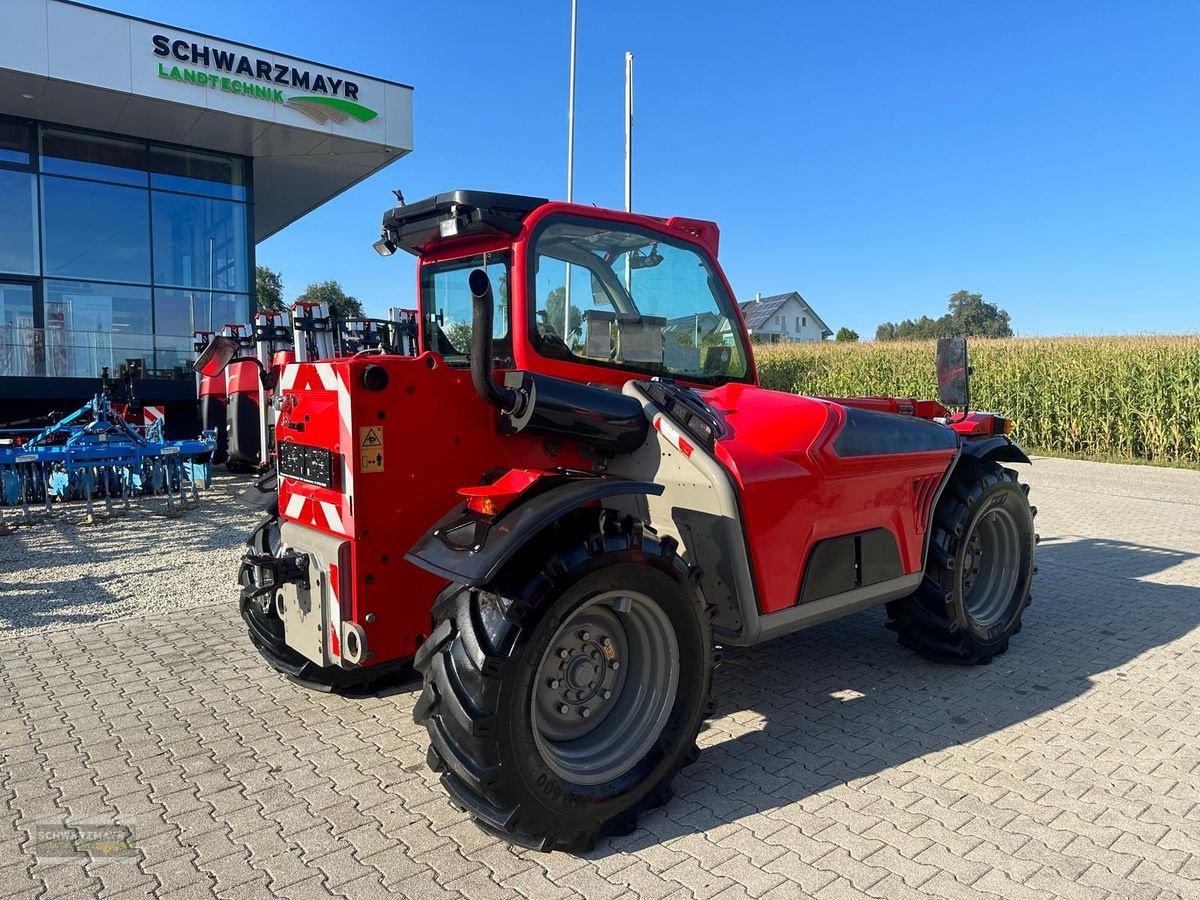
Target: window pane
179,313
446,303
199,242
16,330
95,231
229,309
16,141
93,156
18,223
637,300
90,325
197,173
173,356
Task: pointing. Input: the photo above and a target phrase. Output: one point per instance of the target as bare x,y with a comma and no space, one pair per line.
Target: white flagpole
566,326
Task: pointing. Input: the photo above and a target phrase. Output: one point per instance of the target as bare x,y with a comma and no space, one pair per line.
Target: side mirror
953,373
216,356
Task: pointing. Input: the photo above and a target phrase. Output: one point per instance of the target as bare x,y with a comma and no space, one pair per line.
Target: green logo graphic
324,109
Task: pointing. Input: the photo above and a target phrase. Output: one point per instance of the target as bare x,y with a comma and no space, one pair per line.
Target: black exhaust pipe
481,345
541,404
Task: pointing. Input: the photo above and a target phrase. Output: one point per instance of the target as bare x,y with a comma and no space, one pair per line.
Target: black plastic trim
997,446
502,537
867,432
418,225
684,407
565,410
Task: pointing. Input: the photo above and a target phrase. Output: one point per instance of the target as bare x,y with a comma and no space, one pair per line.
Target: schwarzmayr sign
326,99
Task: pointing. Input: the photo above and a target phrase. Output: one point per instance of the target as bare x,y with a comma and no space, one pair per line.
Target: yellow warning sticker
370,448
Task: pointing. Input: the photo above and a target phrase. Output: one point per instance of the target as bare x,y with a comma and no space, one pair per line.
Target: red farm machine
576,490
239,403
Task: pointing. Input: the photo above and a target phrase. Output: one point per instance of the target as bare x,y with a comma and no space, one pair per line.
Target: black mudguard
471,549
997,447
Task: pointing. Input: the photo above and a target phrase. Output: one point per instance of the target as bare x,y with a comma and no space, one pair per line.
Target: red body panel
902,406
213,386
795,490
242,377
435,435
977,423
703,233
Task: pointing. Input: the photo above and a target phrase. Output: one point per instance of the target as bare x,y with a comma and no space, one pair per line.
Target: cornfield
1113,398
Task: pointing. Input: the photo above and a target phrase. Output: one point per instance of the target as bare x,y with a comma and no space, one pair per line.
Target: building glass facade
113,248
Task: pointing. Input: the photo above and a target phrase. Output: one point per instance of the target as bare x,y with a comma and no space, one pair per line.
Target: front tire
562,701
978,571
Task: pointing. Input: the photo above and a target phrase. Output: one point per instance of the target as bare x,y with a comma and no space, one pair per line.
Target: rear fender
997,448
470,548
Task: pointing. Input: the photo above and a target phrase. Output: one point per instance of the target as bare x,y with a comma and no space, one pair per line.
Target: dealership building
139,166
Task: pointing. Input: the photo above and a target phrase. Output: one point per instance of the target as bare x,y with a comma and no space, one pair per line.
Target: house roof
758,312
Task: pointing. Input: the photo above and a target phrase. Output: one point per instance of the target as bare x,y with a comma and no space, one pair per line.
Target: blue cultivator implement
95,454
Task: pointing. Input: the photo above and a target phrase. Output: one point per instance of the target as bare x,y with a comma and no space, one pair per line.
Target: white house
783,317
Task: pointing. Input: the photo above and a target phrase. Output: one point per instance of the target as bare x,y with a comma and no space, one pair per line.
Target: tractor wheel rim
991,566
605,687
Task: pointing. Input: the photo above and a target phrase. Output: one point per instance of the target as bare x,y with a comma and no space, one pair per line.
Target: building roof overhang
311,131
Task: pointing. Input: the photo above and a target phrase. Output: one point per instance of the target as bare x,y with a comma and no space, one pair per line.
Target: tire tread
459,712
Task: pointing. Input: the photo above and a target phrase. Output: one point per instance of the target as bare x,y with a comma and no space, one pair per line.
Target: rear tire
978,571
509,671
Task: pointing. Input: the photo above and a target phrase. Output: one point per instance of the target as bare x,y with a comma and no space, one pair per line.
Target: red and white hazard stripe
334,516
673,435
333,613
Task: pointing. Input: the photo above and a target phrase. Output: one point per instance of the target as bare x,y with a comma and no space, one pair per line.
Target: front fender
995,447
471,549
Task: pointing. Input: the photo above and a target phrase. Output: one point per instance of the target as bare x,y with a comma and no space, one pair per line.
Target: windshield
613,294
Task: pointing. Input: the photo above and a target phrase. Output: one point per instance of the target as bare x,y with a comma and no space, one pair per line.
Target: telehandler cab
577,489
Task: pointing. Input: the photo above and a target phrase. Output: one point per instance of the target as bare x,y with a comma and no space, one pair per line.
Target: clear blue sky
875,156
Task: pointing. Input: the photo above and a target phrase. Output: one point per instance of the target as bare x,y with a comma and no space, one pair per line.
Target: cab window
446,306
612,294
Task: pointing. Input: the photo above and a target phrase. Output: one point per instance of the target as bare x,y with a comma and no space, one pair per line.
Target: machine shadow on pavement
842,701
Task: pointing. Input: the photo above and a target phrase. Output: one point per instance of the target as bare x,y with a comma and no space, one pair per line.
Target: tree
847,334
459,336
330,293
268,286
969,315
555,301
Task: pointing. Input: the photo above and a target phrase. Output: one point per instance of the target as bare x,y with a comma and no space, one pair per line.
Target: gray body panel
307,613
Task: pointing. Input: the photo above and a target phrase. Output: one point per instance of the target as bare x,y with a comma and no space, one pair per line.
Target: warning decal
370,448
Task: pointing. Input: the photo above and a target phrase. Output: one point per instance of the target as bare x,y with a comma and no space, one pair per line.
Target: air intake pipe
554,408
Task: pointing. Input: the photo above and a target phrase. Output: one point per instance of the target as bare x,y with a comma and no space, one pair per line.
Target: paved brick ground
837,765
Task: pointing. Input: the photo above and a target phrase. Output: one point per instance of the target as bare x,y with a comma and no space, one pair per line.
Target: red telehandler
577,489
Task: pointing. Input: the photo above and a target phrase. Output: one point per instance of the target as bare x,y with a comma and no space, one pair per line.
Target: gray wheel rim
991,566
605,686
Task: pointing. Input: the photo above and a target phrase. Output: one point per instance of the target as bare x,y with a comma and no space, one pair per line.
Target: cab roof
415,226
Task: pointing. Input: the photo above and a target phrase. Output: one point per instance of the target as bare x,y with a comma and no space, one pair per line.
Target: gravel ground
62,573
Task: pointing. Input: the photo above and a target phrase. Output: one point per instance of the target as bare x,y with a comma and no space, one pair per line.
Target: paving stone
837,765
